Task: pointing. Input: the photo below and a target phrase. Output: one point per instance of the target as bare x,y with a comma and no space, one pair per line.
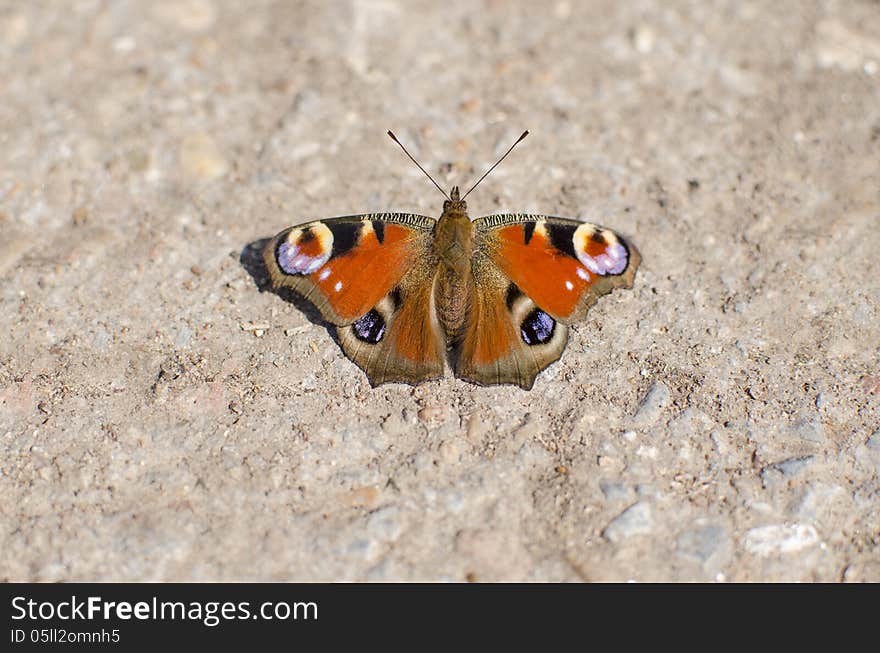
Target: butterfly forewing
562,265
346,265
533,275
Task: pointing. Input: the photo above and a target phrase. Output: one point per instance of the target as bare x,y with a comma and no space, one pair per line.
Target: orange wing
345,266
533,276
507,338
563,265
371,276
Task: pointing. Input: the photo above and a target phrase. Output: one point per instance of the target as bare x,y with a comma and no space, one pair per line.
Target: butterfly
493,297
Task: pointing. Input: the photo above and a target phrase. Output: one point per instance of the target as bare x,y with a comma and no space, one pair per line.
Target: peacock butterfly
493,297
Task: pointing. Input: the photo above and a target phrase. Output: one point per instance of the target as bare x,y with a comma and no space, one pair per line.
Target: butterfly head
455,204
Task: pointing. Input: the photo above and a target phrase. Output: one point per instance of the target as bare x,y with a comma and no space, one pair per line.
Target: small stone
656,400
385,524
189,15
254,326
394,424
792,466
701,543
841,46
635,520
495,553
14,28
450,451
362,497
477,427
643,39
431,414
780,539
811,430
614,491
80,215
200,157
124,43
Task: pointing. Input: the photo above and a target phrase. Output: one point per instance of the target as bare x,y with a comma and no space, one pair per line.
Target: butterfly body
493,297
454,248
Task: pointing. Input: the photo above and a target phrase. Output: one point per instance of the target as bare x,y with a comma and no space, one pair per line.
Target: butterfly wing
371,276
533,276
506,338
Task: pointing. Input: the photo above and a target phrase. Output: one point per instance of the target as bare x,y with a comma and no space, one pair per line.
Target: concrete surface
161,418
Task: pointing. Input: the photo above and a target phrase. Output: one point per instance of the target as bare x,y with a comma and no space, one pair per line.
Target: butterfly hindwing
507,338
371,276
399,340
533,276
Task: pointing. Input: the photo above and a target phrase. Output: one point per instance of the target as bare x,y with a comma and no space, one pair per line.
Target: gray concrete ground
161,418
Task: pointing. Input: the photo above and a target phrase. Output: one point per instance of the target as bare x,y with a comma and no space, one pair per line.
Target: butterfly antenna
394,138
509,150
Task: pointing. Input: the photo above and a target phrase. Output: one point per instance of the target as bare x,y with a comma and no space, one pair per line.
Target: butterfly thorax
453,247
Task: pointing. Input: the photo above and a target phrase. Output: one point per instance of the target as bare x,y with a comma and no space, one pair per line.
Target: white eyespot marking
583,274
612,257
305,249
324,274
338,286
569,285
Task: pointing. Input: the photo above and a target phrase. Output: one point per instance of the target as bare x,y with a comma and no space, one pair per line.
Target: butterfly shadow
251,259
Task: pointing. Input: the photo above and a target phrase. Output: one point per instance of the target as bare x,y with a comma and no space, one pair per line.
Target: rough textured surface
161,418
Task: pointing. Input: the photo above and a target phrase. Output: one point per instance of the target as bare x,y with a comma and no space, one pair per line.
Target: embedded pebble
394,424
495,552
780,539
614,491
635,520
451,450
811,430
656,400
200,157
189,15
11,251
701,543
643,38
385,523
477,427
365,497
690,422
843,46
431,415
793,465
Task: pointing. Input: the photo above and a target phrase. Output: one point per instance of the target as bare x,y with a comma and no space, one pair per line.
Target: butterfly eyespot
305,249
599,250
370,328
537,328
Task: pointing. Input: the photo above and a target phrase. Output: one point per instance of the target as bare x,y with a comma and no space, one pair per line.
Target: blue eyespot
537,328
370,328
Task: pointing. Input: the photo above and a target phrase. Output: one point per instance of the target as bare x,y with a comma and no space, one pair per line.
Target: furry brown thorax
454,247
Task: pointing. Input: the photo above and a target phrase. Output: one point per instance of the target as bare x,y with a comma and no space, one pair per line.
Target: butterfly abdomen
454,248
